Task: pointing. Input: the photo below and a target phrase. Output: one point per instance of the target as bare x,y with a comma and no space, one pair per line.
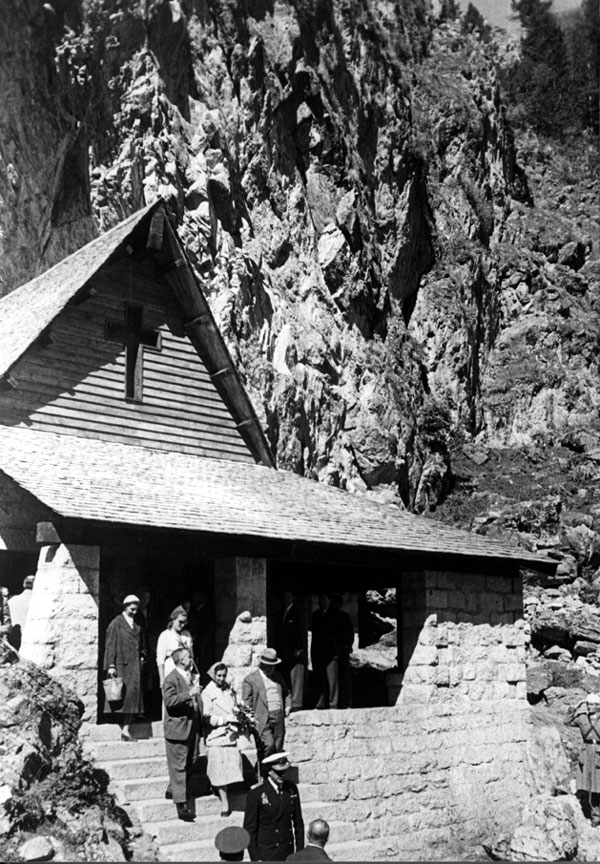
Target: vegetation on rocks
53,802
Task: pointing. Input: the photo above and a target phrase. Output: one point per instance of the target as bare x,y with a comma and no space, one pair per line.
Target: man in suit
273,816
331,645
316,837
265,693
295,649
180,724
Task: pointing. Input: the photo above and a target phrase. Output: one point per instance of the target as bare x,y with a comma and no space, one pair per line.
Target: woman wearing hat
587,719
123,658
224,759
175,636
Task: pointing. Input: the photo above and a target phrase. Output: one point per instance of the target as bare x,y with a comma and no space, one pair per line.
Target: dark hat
177,611
269,657
232,839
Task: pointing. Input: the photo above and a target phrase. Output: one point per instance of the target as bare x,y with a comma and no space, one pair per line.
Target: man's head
324,602
277,764
28,582
268,660
318,832
181,657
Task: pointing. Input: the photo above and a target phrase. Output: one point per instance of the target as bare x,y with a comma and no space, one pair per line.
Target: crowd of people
214,713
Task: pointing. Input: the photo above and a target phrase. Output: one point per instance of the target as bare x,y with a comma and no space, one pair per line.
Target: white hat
277,757
593,699
131,598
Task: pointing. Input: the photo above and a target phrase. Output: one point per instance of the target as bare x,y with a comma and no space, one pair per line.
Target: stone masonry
444,769
61,634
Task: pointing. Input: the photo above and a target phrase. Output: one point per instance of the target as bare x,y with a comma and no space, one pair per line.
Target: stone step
205,828
111,751
133,791
204,850
135,769
195,851
112,731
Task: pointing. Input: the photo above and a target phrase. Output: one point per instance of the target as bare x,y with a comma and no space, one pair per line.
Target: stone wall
444,769
61,633
241,613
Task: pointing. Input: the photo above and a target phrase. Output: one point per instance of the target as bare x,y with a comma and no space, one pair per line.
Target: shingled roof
28,310
117,483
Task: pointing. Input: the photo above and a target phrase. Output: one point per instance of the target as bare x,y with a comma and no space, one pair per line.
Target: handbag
113,689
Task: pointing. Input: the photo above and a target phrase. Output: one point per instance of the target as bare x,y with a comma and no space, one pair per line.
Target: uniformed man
273,816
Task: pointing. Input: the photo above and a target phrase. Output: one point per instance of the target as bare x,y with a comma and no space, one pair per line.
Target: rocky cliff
391,278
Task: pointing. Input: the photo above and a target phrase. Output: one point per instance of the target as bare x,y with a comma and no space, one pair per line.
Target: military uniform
274,821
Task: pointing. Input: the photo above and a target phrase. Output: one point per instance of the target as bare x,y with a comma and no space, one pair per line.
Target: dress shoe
225,812
184,813
168,794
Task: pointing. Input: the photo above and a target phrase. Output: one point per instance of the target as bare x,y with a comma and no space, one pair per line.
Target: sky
498,11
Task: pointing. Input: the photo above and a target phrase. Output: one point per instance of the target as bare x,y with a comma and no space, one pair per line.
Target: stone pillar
241,613
61,633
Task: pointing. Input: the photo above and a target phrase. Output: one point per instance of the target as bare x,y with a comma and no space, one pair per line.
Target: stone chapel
131,458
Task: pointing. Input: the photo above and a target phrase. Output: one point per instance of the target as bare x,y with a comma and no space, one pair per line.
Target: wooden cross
134,337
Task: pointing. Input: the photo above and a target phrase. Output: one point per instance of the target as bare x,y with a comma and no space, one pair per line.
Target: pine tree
539,84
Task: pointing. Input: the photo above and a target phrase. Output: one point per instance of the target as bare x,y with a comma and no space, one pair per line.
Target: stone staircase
139,778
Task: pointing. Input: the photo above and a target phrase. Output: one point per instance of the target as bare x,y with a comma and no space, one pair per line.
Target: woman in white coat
175,636
219,706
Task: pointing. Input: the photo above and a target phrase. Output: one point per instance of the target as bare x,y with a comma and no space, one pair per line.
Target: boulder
548,831
37,849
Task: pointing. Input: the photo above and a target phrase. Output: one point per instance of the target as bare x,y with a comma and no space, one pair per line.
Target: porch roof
102,481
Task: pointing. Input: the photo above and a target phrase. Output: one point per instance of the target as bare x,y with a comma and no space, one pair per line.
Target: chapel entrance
164,570
368,596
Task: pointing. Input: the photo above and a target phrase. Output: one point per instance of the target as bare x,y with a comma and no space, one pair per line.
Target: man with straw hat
265,693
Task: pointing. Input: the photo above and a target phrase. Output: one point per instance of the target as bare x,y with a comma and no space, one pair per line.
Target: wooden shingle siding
75,384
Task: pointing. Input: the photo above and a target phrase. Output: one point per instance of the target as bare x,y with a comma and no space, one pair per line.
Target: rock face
53,803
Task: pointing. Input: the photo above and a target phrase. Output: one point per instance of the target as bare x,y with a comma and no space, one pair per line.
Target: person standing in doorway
346,646
266,694
19,607
295,649
273,816
180,695
175,636
123,658
325,651
5,621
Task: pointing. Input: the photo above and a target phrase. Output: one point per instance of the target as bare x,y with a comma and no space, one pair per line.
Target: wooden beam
208,342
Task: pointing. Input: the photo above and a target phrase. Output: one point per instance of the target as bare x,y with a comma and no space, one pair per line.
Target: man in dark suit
180,724
331,645
316,837
273,816
266,694
295,649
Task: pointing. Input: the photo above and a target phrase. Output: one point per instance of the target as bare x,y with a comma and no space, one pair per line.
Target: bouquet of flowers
245,721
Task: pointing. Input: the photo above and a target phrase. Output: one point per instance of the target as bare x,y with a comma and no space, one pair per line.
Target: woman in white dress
224,759
175,636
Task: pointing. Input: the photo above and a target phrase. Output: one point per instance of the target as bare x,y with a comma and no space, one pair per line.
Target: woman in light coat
175,636
224,759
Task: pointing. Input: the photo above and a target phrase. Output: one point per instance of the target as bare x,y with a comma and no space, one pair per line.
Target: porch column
241,613
61,633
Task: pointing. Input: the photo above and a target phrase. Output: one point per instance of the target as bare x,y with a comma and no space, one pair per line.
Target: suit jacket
180,707
254,695
274,821
295,636
309,853
332,636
